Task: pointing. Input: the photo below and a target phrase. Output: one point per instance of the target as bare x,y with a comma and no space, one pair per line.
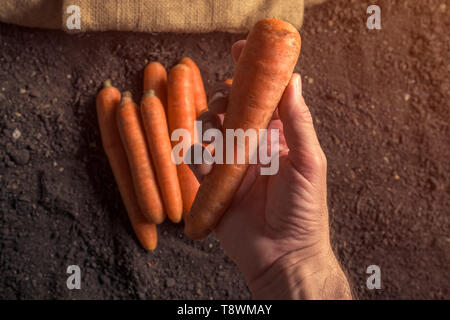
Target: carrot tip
107,83
181,65
154,63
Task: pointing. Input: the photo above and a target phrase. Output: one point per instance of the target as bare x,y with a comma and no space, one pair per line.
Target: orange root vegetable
201,104
228,81
182,115
133,139
155,78
157,133
261,76
108,100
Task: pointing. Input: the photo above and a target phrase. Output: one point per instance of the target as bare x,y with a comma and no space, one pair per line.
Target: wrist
303,276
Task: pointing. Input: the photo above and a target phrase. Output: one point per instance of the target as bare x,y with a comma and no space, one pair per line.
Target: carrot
139,159
108,100
181,115
155,78
157,133
261,75
201,104
228,81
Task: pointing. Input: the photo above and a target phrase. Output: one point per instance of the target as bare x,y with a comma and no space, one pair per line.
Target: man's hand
276,229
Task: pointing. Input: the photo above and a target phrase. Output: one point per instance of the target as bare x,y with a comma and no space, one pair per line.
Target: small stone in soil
34,93
16,134
20,157
170,282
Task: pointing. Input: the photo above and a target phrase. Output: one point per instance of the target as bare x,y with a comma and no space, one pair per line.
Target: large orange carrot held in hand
157,133
182,115
261,75
144,180
108,100
201,104
155,78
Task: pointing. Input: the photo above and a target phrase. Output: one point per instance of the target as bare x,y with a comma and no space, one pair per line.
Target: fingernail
208,124
200,168
216,96
209,121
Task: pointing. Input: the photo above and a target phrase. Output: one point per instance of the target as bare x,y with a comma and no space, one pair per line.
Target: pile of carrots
136,139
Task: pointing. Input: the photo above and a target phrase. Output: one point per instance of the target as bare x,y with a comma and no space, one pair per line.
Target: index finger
236,49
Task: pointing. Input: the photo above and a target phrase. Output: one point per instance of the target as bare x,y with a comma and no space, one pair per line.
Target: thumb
200,168
305,152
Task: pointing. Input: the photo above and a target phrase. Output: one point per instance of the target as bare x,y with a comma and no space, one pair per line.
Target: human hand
276,230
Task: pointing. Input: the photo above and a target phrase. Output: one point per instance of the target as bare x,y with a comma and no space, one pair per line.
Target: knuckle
305,114
318,160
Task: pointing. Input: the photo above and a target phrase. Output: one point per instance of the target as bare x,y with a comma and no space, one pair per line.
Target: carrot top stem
107,83
150,93
127,94
126,97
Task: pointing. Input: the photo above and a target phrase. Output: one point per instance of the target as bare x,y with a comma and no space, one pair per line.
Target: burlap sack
152,15
32,13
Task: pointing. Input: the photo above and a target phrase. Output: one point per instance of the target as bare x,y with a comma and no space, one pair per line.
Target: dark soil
380,101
